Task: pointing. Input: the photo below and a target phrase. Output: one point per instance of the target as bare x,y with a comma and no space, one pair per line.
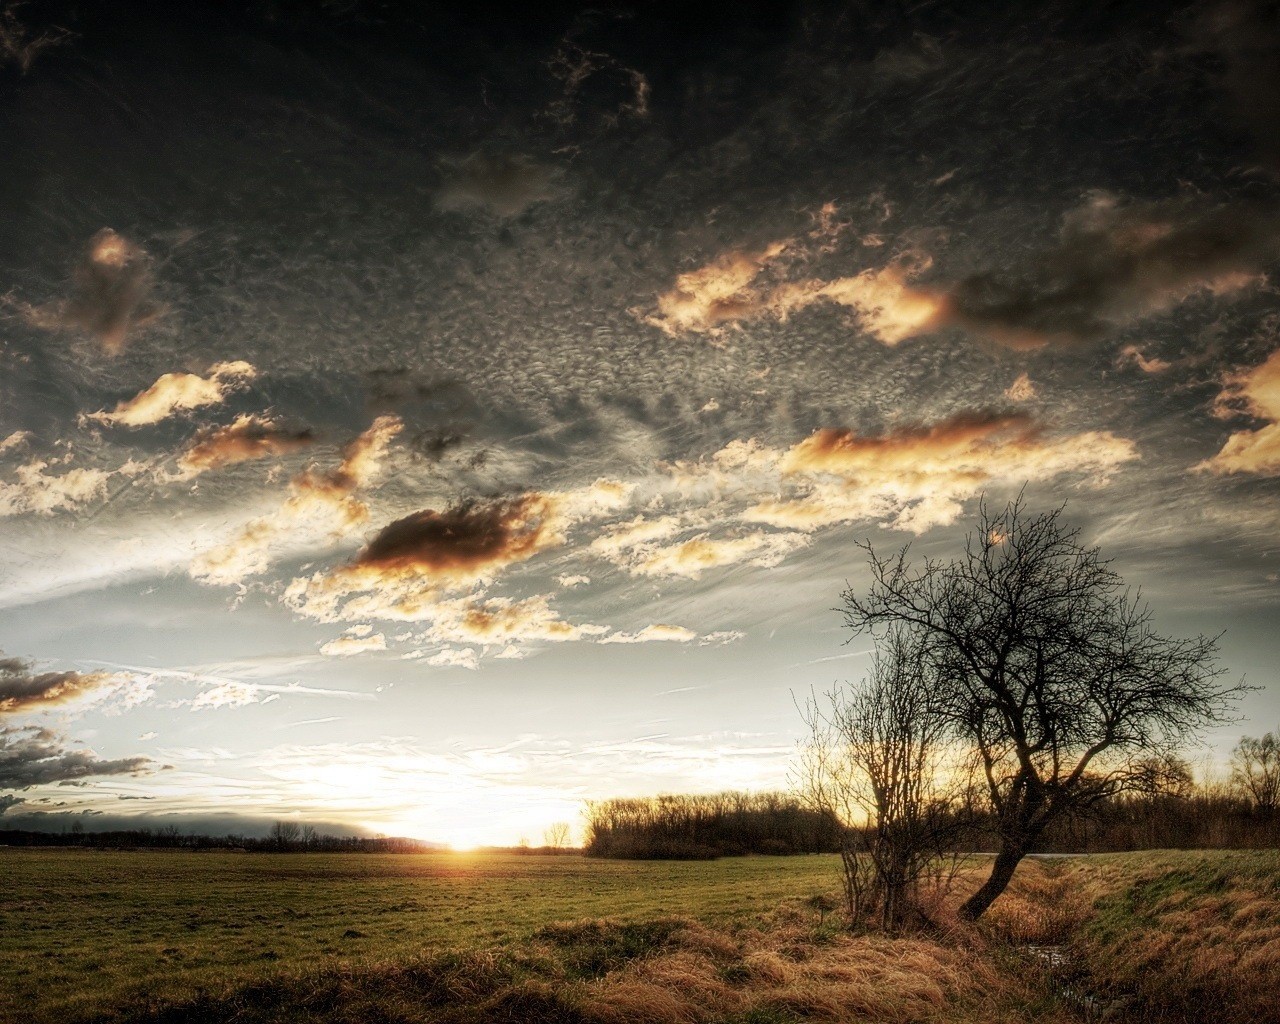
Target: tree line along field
459,939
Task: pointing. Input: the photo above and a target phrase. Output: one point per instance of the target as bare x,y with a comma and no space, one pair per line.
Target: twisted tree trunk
1006,863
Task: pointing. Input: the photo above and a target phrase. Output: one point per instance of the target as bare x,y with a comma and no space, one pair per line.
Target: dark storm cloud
596,86
465,540
32,756
22,689
1245,34
1118,261
505,184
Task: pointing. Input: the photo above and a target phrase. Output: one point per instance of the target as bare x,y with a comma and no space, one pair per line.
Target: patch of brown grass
667,971
1178,936
1192,936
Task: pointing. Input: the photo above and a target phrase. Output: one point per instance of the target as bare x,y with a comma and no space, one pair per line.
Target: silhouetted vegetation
282,839
1036,657
703,827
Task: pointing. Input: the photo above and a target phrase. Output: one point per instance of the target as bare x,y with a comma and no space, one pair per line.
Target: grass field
179,938
80,929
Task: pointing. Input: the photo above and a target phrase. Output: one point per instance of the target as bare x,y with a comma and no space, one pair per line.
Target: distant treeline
293,840
703,827
1204,818
727,824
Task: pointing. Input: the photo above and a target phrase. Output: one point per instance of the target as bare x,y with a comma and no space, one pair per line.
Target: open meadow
83,929
168,936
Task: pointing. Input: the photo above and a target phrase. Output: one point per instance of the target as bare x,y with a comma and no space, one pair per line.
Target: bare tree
1048,668
284,834
557,835
310,837
877,757
1255,769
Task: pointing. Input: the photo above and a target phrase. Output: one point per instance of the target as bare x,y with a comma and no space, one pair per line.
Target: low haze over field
422,421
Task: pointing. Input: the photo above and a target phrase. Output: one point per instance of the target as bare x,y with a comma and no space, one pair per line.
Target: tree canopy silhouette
1048,668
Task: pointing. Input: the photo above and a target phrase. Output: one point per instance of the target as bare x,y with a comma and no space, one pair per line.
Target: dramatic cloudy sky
424,421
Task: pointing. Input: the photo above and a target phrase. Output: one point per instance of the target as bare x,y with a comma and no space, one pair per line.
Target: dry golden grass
1177,936
1173,931
791,973
786,970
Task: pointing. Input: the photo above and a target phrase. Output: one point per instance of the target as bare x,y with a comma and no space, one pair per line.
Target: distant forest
677,827
731,824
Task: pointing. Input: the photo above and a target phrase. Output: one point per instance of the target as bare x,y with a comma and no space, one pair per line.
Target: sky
422,421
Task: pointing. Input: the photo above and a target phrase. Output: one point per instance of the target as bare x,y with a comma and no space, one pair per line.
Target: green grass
81,929
182,938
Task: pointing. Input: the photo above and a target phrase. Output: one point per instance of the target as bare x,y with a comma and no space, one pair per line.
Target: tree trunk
1001,873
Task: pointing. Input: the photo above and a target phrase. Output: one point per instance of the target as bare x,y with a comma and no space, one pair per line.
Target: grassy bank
1168,936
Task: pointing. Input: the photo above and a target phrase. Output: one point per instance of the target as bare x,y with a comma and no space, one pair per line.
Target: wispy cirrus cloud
747,504
321,507
917,477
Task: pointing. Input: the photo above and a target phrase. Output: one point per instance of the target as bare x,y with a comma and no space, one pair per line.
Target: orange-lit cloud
246,438
737,288
1131,355
322,507
916,477
22,689
43,493
657,632
175,392
409,567
467,542
888,306
1021,390
1255,393
344,646
1114,262
724,290
111,297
